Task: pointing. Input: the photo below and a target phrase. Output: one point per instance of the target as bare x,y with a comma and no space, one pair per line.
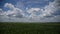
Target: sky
29,10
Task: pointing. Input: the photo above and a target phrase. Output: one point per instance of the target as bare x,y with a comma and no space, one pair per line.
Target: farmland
29,28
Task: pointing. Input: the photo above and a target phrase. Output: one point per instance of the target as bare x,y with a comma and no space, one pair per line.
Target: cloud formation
47,14
48,10
9,5
13,12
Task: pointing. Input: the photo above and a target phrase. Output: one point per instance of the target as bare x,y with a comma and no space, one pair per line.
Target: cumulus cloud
9,5
49,9
53,7
50,14
12,15
14,12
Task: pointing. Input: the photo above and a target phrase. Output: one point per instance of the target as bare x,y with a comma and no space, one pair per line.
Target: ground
29,28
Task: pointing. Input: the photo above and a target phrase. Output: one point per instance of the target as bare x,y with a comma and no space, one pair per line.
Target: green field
29,28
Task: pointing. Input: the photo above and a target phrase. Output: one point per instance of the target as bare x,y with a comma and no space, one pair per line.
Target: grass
29,28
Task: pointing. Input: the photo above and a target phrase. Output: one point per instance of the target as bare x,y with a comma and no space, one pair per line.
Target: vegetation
29,28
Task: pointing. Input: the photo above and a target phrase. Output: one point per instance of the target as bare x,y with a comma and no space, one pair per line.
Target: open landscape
29,16
29,28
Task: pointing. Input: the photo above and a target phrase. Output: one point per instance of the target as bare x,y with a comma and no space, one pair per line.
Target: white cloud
50,9
9,5
34,12
14,12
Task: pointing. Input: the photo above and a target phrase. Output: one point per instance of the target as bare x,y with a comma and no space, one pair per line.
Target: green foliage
29,28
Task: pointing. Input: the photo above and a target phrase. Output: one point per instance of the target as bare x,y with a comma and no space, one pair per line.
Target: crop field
29,28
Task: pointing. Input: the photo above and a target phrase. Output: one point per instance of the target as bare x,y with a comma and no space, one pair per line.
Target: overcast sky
29,10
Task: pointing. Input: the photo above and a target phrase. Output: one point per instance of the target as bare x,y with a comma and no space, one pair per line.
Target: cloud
50,9
9,5
13,12
50,14
12,15
34,12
